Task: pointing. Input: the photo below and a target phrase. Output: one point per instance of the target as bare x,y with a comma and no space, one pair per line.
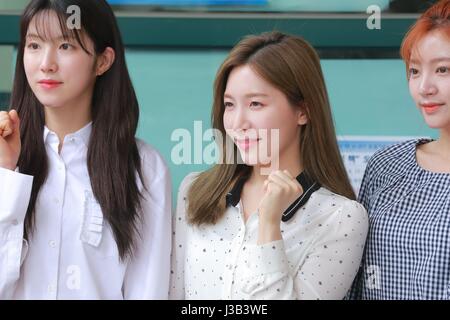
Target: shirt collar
308,184
82,135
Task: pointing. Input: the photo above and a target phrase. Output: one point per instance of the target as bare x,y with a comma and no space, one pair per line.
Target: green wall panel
368,97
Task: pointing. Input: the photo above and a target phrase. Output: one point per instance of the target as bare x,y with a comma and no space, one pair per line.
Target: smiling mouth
246,143
246,140
432,107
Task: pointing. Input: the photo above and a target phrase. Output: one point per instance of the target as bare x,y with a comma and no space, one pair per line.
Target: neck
290,161
443,143
67,119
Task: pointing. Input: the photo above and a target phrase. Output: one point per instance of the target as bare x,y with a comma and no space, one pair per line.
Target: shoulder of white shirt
329,199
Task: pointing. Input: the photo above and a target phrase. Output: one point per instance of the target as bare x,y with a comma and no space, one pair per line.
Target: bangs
416,34
436,17
42,23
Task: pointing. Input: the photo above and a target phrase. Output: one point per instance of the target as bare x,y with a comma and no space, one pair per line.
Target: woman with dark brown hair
282,226
85,207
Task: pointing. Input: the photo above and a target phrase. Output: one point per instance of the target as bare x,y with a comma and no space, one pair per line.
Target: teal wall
368,97
13,4
371,97
328,5
6,53
174,89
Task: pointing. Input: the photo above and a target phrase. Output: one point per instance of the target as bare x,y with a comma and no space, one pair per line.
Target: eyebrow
414,61
440,59
35,36
249,95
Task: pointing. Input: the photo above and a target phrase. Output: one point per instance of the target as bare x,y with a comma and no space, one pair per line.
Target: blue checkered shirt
407,253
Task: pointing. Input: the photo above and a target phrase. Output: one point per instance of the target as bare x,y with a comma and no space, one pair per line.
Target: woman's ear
105,61
302,114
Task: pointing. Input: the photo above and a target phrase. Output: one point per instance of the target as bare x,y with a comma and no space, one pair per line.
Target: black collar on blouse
309,187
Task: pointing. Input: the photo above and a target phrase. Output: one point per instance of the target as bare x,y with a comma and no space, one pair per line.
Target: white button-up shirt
317,258
72,253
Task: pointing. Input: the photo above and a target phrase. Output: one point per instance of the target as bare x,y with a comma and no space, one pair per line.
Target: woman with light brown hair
284,227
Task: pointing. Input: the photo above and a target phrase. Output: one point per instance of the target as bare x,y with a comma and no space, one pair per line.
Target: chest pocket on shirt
95,232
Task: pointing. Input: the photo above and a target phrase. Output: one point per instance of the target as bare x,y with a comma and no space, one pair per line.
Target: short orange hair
436,17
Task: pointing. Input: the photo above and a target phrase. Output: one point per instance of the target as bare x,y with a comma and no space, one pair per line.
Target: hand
9,139
281,190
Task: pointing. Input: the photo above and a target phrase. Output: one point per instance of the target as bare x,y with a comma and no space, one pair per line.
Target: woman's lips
246,143
431,107
49,84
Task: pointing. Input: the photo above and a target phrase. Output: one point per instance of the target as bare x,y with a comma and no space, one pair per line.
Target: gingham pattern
407,253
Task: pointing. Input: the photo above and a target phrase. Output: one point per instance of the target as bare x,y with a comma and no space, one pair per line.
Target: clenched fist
9,139
281,189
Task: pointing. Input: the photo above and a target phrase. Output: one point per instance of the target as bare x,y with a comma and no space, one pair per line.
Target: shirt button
52,243
56,201
15,222
51,288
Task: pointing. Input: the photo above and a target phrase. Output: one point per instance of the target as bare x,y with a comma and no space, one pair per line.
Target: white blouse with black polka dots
317,258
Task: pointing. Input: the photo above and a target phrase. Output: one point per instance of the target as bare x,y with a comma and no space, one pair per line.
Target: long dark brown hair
290,64
113,159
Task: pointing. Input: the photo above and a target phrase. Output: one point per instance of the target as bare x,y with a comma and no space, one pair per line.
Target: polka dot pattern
317,258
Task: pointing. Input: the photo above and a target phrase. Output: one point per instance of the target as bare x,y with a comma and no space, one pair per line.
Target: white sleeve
179,225
148,271
15,192
328,270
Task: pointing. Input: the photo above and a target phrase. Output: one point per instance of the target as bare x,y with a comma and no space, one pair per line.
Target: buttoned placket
236,251
58,177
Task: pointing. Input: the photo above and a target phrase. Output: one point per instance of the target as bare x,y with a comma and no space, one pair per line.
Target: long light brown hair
291,65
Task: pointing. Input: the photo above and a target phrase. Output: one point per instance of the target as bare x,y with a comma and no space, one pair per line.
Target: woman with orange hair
406,187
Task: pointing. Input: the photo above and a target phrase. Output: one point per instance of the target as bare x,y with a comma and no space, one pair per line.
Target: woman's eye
66,46
228,104
33,46
255,104
413,71
442,69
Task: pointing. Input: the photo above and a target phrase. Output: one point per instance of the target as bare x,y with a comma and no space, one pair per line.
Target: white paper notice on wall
357,150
